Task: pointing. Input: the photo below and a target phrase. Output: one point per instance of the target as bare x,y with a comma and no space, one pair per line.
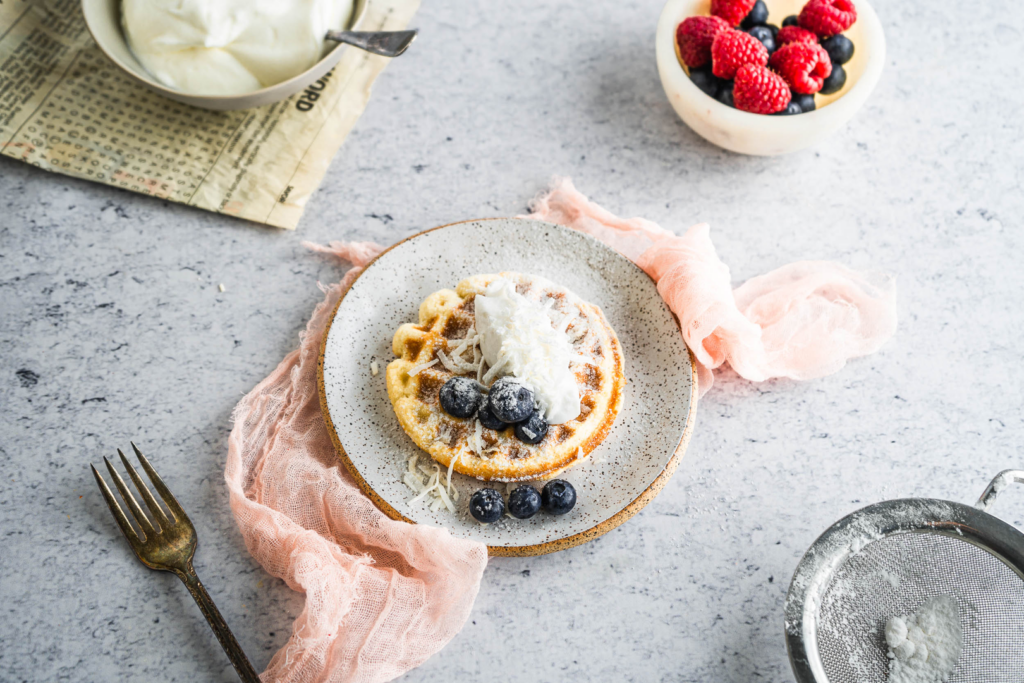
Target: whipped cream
517,338
229,47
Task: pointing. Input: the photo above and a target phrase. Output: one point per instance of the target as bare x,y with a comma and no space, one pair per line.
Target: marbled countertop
112,327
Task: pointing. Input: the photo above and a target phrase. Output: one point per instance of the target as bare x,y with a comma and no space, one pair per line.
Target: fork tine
115,509
165,493
158,512
126,494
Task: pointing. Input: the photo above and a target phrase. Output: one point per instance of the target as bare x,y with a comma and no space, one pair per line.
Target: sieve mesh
893,576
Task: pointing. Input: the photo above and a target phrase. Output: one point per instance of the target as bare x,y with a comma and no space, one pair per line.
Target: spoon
385,43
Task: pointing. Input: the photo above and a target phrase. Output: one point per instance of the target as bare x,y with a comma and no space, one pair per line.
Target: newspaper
65,108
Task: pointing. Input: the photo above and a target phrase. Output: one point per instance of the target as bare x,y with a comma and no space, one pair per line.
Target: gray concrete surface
112,328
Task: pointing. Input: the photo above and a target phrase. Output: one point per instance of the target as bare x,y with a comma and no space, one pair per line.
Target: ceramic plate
621,476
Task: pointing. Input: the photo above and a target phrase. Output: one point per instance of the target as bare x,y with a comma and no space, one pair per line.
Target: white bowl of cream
222,54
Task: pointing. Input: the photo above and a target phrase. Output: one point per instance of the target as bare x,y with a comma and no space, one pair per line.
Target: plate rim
596,531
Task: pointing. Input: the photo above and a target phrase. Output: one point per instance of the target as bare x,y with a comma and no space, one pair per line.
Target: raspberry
733,49
694,37
828,17
794,34
760,90
804,66
733,11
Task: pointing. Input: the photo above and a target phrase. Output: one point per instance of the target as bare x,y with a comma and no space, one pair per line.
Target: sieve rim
853,532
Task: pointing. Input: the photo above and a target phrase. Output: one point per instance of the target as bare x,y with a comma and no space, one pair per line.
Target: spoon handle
385,43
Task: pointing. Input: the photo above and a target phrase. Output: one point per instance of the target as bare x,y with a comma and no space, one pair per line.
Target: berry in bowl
768,77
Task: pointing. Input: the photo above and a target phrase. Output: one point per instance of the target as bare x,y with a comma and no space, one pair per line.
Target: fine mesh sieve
885,560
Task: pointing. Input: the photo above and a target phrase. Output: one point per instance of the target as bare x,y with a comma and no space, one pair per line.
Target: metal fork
168,543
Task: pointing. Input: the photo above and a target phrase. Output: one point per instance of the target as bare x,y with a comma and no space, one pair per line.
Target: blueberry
524,502
532,429
558,497
791,20
835,81
510,401
839,49
460,397
791,108
487,418
806,102
764,34
706,81
757,16
725,94
774,29
486,506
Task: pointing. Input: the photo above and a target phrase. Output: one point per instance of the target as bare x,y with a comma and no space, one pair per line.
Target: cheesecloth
381,596
801,321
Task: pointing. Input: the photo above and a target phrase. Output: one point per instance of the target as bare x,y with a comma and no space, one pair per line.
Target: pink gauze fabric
382,596
801,321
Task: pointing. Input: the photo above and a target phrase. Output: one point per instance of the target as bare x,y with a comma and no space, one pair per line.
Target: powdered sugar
890,578
924,646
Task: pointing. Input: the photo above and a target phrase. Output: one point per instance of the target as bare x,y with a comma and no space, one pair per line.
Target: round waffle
446,318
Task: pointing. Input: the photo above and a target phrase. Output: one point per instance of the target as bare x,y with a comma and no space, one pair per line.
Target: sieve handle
1001,481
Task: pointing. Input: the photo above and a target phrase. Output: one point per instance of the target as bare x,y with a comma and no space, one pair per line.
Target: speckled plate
618,479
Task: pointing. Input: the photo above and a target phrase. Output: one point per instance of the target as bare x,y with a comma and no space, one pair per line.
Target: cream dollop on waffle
518,337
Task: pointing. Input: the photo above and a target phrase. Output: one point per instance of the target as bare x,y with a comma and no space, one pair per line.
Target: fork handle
219,626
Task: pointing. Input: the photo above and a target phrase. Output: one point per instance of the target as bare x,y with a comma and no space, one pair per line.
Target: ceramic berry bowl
767,83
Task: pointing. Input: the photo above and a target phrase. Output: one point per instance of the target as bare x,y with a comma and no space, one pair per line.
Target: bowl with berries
768,77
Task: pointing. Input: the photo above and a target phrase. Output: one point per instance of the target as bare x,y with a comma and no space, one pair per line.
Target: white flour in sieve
924,647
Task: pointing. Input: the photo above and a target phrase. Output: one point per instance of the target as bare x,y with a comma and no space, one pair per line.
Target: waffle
446,317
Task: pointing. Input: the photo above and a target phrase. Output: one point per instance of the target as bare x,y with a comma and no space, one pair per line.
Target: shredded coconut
478,436
458,365
493,371
417,369
924,647
451,466
471,341
433,487
447,363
